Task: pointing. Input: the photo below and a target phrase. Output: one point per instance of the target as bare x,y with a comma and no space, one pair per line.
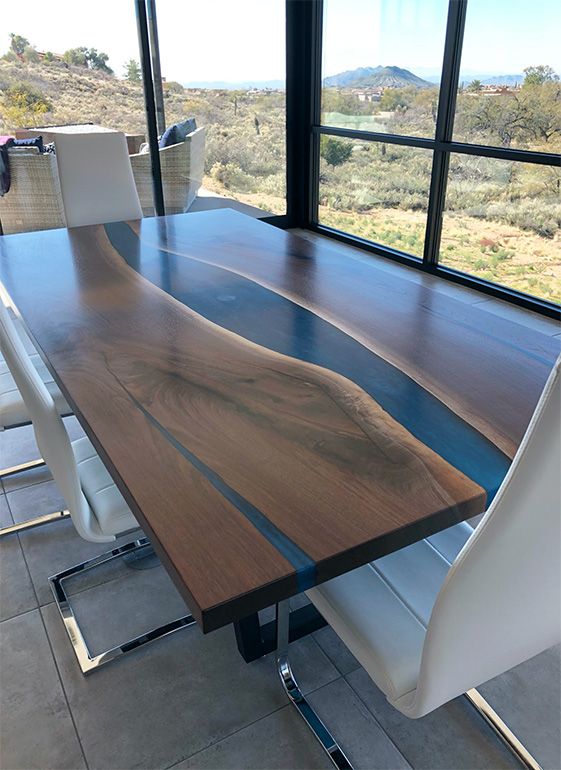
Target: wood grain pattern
260,445
395,312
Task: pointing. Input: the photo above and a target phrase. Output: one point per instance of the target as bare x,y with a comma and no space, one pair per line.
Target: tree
537,76
475,86
30,54
75,56
98,61
132,71
87,57
334,151
18,44
398,98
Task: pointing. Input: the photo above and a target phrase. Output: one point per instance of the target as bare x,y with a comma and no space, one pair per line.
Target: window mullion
444,127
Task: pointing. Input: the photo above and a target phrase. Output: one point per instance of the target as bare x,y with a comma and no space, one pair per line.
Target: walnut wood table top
275,411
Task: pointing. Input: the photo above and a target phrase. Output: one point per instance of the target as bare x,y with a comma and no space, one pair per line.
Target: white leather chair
96,178
14,413
415,619
97,508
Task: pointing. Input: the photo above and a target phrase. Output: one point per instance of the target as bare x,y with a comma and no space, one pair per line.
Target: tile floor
190,701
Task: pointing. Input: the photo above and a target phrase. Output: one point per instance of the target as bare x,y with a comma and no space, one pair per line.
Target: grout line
229,735
38,608
286,705
60,679
26,486
375,718
269,713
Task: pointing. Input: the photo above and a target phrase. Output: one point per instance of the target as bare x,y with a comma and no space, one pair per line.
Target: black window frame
442,146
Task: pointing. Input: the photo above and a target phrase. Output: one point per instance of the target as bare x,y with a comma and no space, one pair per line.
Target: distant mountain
503,80
224,85
376,77
491,80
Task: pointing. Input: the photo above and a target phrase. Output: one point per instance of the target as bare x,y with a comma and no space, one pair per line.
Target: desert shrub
23,104
335,151
232,177
173,87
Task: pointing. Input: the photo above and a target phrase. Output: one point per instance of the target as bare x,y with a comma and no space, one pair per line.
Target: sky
241,40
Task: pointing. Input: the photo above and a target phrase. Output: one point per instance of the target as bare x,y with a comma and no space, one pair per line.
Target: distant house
368,94
49,56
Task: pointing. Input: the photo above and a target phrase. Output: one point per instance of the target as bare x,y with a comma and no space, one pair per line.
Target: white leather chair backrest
96,178
50,432
501,601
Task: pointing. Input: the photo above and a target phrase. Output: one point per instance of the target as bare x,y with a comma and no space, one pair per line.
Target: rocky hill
376,77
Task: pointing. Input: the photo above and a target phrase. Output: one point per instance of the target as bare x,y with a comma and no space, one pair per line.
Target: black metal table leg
256,640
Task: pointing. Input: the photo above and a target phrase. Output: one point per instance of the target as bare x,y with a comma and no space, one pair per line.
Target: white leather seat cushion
105,500
381,610
13,410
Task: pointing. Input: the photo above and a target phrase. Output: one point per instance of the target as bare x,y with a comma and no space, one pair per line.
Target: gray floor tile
355,729
528,698
16,589
453,736
5,515
57,546
337,652
120,610
31,501
175,697
18,445
276,742
27,478
36,729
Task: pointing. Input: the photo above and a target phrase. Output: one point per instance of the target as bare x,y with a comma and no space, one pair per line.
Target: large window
224,63
381,64
64,63
440,132
220,62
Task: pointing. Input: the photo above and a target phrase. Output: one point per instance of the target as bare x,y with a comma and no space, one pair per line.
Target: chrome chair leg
11,471
38,521
86,660
327,741
501,729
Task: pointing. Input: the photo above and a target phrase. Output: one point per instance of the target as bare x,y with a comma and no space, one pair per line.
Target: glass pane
510,94
66,63
224,64
376,191
503,223
382,62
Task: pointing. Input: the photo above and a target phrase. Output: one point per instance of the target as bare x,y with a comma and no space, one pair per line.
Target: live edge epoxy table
274,411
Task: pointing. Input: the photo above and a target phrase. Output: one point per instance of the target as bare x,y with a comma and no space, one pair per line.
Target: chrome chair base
86,660
501,729
327,741
38,521
11,471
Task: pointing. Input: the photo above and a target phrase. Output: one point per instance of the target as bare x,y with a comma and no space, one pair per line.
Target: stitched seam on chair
102,489
401,598
397,595
436,548
438,552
